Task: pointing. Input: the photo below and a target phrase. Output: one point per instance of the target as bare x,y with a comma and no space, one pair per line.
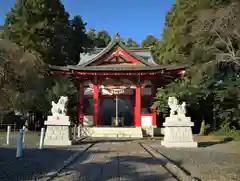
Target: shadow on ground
36,163
33,164
125,167
102,140
211,143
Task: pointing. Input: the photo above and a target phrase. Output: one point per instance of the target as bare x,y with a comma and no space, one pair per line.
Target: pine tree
40,26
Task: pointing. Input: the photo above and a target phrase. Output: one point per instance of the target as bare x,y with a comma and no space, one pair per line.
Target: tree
60,86
102,39
204,35
98,39
131,43
149,41
1,31
79,40
153,43
20,78
40,26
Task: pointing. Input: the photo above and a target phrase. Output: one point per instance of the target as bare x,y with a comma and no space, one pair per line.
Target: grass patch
235,135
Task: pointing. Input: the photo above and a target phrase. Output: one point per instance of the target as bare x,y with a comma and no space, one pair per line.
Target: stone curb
169,165
78,140
67,162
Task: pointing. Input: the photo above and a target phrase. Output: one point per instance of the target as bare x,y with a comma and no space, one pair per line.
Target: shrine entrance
123,113
116,107
117,87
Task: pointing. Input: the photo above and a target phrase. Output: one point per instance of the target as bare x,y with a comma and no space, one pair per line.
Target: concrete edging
169,165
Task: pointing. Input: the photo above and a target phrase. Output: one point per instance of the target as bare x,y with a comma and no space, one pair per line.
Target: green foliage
204,34
149,41
154,44
21,79
43,34
131,43
98,39
43,27
78,39
61,86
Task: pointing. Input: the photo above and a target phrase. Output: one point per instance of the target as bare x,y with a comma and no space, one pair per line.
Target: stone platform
58,131
178,132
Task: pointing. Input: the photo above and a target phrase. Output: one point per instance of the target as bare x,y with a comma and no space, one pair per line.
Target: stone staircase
112,132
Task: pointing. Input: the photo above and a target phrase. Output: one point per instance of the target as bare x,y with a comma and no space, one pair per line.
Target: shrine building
117,88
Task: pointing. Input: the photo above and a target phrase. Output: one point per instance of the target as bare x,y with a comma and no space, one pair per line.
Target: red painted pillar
138,107
96,104
154,113
81,102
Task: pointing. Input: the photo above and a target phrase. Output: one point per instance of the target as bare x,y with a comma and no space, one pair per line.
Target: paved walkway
108,161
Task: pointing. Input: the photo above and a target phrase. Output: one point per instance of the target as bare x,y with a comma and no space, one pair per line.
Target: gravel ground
207,163
31,140
34,164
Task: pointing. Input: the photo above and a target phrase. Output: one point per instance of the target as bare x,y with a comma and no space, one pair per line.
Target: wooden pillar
96,104
133,110
154,113
138,107
81,102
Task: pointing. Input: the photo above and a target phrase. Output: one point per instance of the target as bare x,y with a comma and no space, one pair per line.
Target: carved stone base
58,131
178,132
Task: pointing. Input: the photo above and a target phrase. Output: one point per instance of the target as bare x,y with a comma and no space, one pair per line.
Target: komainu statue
176,108
59,108
181,111
173,104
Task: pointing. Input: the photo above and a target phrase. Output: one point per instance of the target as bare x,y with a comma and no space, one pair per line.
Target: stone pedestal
178,132
58,131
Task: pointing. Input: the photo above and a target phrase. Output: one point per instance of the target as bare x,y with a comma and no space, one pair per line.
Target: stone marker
58,132
178,131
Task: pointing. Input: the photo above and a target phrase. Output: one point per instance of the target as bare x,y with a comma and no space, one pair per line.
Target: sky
131,18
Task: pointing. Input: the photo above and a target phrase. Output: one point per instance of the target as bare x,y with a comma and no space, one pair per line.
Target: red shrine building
117,87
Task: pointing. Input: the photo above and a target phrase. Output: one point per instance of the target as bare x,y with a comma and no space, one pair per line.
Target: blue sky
132,18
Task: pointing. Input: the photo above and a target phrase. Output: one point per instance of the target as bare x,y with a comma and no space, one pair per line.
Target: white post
79,131
8,134
20,144
74,131
23,128
42,138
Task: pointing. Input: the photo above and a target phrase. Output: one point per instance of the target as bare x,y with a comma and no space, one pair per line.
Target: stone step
112,132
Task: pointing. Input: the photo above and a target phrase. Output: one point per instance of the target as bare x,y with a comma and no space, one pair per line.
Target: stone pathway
109,161
123,160
214,163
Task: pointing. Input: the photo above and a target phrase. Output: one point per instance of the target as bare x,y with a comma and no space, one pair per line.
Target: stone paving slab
110,161
34,164
207,163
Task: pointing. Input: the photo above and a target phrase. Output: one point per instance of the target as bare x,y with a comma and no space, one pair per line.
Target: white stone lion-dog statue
176,108
59,108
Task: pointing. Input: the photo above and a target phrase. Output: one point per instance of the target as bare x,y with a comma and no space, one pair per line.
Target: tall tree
20,80
79,40
40,26
204,34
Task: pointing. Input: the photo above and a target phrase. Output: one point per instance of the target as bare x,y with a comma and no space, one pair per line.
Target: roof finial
117,37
